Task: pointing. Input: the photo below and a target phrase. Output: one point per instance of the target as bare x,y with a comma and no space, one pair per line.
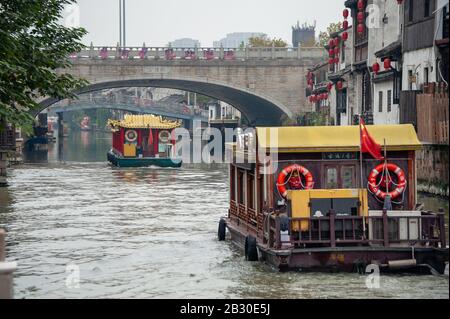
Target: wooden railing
245,218
334,231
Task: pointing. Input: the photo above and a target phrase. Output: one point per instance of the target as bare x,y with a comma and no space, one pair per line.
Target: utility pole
122,24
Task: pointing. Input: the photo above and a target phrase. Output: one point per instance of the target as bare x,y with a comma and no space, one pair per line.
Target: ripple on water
151,233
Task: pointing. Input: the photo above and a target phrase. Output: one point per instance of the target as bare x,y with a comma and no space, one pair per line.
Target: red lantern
336,60
345,25
331,53
339,85
345,36
360,5
336,50
360,28
331,43
330,61
336,41
376,68
399,2
360,17
329,86
345,13
387,64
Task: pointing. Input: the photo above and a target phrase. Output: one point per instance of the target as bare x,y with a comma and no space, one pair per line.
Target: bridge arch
257,109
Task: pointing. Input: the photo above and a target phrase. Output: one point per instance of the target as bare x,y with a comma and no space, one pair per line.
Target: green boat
142,141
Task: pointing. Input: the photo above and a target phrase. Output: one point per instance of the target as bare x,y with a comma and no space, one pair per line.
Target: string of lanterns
387,64
360,17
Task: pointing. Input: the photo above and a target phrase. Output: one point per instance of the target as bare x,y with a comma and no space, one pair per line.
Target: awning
315,139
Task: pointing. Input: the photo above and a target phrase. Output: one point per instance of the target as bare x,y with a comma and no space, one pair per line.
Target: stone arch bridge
263,83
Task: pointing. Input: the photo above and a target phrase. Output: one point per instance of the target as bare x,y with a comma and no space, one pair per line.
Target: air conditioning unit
403,225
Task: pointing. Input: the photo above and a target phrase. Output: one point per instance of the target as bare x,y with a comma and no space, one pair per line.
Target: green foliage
325,36
33,46
287,121
264,42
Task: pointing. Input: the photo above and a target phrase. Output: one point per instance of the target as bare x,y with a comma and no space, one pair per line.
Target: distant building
303,34
234,40
185,43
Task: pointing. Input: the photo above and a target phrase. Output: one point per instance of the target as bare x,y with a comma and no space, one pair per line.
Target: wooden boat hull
344,259
143,162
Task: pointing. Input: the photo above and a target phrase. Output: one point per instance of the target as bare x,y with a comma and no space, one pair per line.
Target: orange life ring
374,186
287,172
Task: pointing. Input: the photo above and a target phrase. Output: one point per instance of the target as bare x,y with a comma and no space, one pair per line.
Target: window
250,191
380,101
389,101
241,185
427,8
332,178
348,177
232,183
410,79
411,10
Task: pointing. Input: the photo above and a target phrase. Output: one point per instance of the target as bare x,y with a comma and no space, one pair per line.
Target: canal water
79,228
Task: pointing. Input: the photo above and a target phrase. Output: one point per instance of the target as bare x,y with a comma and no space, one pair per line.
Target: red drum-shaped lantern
387,64
360,17
339,85
345,13
345,25
331,53
360,28
330,61
360,5
336,60
345,35
336,50
376,68
331,43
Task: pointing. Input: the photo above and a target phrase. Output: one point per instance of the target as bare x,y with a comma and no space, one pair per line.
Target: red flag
368,144
150,137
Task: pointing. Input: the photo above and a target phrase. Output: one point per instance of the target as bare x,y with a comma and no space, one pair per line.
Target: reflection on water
148,233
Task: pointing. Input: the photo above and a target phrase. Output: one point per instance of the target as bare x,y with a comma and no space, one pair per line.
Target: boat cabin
143,140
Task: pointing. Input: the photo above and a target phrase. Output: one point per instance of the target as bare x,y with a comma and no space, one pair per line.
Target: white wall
417,61
382,34
384,117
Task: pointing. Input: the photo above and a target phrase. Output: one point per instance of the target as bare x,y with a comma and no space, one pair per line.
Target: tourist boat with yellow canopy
332,198
143,140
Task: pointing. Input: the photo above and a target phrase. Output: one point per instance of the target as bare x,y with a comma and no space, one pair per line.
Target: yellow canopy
144,121
335,138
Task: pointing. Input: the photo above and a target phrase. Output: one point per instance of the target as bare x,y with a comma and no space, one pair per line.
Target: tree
33,46
264,41
325,36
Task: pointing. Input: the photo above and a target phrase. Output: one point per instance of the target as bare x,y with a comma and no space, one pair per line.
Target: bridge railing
197,53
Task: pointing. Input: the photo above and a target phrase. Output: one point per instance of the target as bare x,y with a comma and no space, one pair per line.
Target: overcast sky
158,22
